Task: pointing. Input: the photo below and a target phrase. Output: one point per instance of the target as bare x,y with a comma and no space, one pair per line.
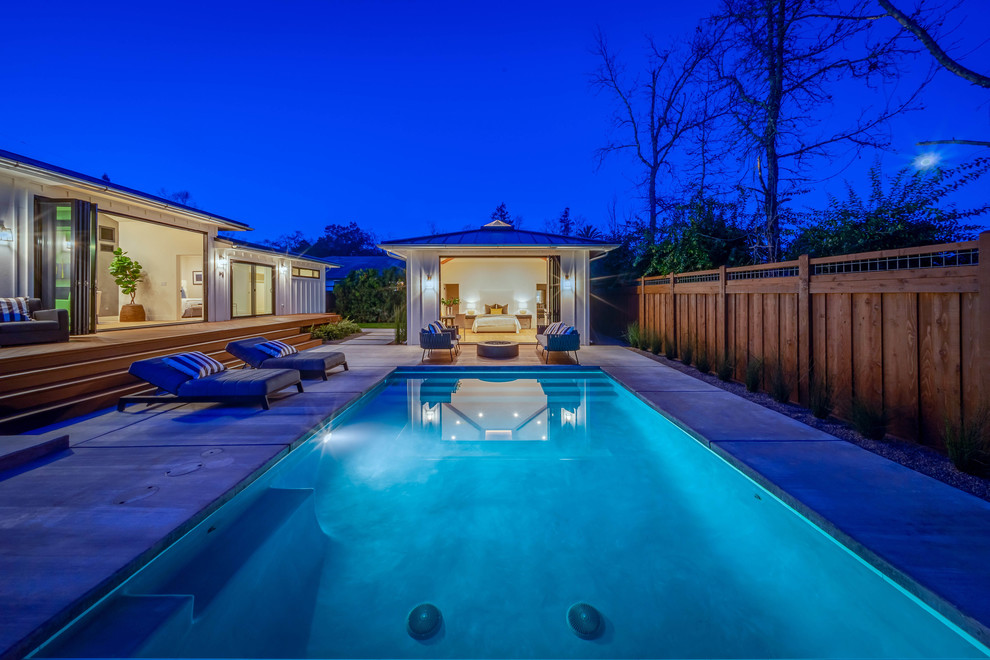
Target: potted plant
449,303
126,272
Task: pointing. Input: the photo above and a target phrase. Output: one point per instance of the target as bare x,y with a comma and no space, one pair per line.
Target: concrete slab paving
918,526
657,378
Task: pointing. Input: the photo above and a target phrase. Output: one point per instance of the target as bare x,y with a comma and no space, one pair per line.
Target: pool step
125,628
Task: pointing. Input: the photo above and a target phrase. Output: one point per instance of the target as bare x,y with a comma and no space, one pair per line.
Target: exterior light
6,235
567,284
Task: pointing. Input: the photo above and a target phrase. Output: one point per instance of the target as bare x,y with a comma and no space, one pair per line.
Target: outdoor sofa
224,386
41,327
312,363
559,337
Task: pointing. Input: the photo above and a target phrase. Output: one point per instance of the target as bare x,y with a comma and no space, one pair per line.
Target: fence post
674,331
983,291
641,291
722,331
804,374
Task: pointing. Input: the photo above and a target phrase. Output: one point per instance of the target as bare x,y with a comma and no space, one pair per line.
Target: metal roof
498,234
107,185
238,244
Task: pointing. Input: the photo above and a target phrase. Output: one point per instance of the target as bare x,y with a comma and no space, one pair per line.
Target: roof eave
77,180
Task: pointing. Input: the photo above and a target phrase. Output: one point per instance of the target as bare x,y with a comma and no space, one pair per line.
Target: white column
574,291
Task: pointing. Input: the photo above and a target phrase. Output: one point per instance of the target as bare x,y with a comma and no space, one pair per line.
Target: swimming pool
504,498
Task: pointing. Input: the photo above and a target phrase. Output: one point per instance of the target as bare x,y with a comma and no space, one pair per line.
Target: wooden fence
900,329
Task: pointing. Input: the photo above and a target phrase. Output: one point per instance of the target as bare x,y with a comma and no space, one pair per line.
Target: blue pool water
503,500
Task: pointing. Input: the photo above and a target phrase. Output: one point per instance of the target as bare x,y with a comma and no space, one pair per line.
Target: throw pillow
194,364
571,330
14,309
488,309
436,327
276,348
497,310
552,328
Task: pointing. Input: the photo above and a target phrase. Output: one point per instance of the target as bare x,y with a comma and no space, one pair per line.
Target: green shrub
779,385
656,344
338,330
820,397
968,443
724,369
701,361
869,419
400,323
754,374
687,354
669,350
634,336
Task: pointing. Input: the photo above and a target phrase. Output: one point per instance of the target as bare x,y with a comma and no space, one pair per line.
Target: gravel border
919,458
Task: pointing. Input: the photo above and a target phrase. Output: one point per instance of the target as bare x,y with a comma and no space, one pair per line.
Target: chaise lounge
312,363
221,386
559,337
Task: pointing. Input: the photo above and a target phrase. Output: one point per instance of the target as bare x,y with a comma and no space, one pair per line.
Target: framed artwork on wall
197,277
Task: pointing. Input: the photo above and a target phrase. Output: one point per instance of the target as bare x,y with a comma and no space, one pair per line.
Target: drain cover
585,621
185,468
211,452
424,621
135,495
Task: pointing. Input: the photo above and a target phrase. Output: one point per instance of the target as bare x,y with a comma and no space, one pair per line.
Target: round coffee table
498,350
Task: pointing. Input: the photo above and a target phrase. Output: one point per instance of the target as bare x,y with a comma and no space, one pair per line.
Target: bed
496,323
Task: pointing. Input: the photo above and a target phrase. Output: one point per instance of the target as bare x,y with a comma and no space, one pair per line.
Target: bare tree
653,113
782,59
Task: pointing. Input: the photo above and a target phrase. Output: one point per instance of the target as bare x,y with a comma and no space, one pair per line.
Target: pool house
531,278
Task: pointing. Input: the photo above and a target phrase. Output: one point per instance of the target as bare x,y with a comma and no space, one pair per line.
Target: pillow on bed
194,364
497,310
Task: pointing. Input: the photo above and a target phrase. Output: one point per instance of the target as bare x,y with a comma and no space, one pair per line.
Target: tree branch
974,143
926,39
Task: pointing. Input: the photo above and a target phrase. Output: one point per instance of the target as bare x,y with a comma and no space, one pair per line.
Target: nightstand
525,321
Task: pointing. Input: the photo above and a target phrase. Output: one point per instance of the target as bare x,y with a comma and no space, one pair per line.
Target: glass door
553,289
252,289
64,263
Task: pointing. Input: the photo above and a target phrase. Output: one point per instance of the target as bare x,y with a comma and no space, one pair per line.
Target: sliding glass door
252,289
553,289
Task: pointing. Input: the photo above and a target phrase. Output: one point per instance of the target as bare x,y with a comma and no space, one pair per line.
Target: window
305,272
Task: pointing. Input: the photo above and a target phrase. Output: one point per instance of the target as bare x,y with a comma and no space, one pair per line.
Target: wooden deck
46,383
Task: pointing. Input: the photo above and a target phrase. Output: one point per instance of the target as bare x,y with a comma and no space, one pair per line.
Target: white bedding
496,323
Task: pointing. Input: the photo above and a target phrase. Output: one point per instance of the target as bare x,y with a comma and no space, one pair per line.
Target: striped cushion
276,348
14,309
436,328
553,328
194,364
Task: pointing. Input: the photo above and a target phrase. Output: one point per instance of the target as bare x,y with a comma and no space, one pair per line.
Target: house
59,230
535,278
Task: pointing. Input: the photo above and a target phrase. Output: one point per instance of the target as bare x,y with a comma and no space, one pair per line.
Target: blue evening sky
400,116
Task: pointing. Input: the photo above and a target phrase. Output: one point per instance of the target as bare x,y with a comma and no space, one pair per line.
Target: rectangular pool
505,498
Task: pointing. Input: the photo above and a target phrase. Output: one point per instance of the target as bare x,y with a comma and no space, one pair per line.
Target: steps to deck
39,387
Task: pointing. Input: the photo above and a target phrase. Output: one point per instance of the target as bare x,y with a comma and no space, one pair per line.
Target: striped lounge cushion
14,309
557,328
194,364
435,328
276,348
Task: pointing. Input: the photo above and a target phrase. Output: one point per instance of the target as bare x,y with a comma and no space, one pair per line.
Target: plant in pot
126,272
449,303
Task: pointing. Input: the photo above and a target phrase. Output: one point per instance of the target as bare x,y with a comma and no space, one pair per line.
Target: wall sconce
429,284
6,235
567,284
283,269
221,264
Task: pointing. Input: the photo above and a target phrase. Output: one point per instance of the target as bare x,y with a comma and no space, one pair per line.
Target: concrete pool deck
76,523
